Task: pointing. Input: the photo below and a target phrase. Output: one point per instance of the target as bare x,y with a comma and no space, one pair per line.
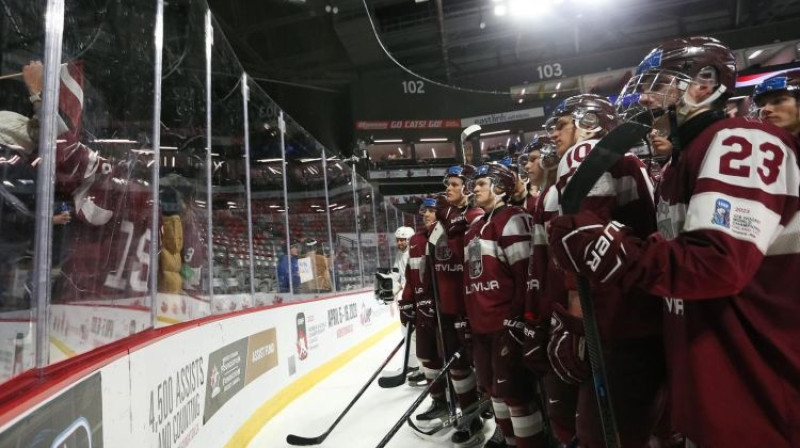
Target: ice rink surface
368,421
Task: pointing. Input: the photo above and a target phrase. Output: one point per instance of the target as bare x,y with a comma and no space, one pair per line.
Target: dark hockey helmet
500,175
592,114
464,172
548,155
784,82
675,64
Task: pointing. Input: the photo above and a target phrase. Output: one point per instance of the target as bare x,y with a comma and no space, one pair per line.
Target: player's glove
534,347
426,315
408,313
567,347
585,244
515,327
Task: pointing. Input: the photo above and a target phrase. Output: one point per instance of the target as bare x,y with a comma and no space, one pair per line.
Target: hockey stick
460,420
436,234
417,402
396,380
605,154
292,439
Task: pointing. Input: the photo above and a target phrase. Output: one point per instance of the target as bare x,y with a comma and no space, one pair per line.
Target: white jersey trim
788,238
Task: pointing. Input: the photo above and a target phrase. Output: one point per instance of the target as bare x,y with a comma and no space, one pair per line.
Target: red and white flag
70,99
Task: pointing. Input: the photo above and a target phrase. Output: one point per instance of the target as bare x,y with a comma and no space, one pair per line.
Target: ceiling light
523,91
527,8
558,86
500,10
554,95
433,150
755,54
433,139
504,131
519,101
389,140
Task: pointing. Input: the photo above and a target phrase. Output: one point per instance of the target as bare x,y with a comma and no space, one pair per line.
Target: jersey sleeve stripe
742,219
520,250
518,225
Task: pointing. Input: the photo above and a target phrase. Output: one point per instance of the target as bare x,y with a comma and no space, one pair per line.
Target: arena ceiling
327,44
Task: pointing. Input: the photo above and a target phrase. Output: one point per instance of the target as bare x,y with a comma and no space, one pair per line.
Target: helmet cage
662,87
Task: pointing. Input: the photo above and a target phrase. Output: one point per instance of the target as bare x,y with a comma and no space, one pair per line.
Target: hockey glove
516,329
426,314
567,347
534,348
408,313
585,244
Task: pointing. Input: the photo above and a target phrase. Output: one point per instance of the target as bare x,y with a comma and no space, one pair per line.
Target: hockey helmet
592,114
670,68
500,176
404,232
784,82
463,172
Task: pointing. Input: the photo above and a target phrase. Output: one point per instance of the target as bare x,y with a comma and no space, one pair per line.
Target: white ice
368,421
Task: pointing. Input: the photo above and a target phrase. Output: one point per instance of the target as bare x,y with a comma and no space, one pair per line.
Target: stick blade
388,382
292,439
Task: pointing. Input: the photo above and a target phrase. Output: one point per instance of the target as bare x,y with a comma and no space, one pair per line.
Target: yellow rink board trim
62,347
245,434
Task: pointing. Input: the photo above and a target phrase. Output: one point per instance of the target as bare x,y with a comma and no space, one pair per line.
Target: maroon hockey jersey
546,282
496,253
449,259
624,193
415,270
109,258
729,270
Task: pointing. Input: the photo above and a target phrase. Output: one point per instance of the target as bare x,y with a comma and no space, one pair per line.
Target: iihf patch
722,213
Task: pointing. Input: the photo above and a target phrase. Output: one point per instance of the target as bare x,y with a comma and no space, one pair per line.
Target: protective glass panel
343,226
231,272
266,189
104,160
366,230
184,177
307,268
384,231
22,41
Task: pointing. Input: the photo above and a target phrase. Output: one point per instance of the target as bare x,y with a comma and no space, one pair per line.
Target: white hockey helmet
404,232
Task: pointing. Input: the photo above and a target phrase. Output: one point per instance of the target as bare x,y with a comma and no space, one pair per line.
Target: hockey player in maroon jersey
496,253
778,101
537,167
521,196
726,261
455,216
546,285
631,333
419,293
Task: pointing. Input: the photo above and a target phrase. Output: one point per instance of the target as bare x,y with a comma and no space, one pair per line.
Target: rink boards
211,382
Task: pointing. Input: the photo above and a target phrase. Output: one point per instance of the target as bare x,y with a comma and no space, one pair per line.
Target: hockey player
402,237
726,260
455,216
497,248
426,326
521,196
778,101
538,165
631,333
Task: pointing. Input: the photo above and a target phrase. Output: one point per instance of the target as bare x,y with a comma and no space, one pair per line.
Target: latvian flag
70,99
